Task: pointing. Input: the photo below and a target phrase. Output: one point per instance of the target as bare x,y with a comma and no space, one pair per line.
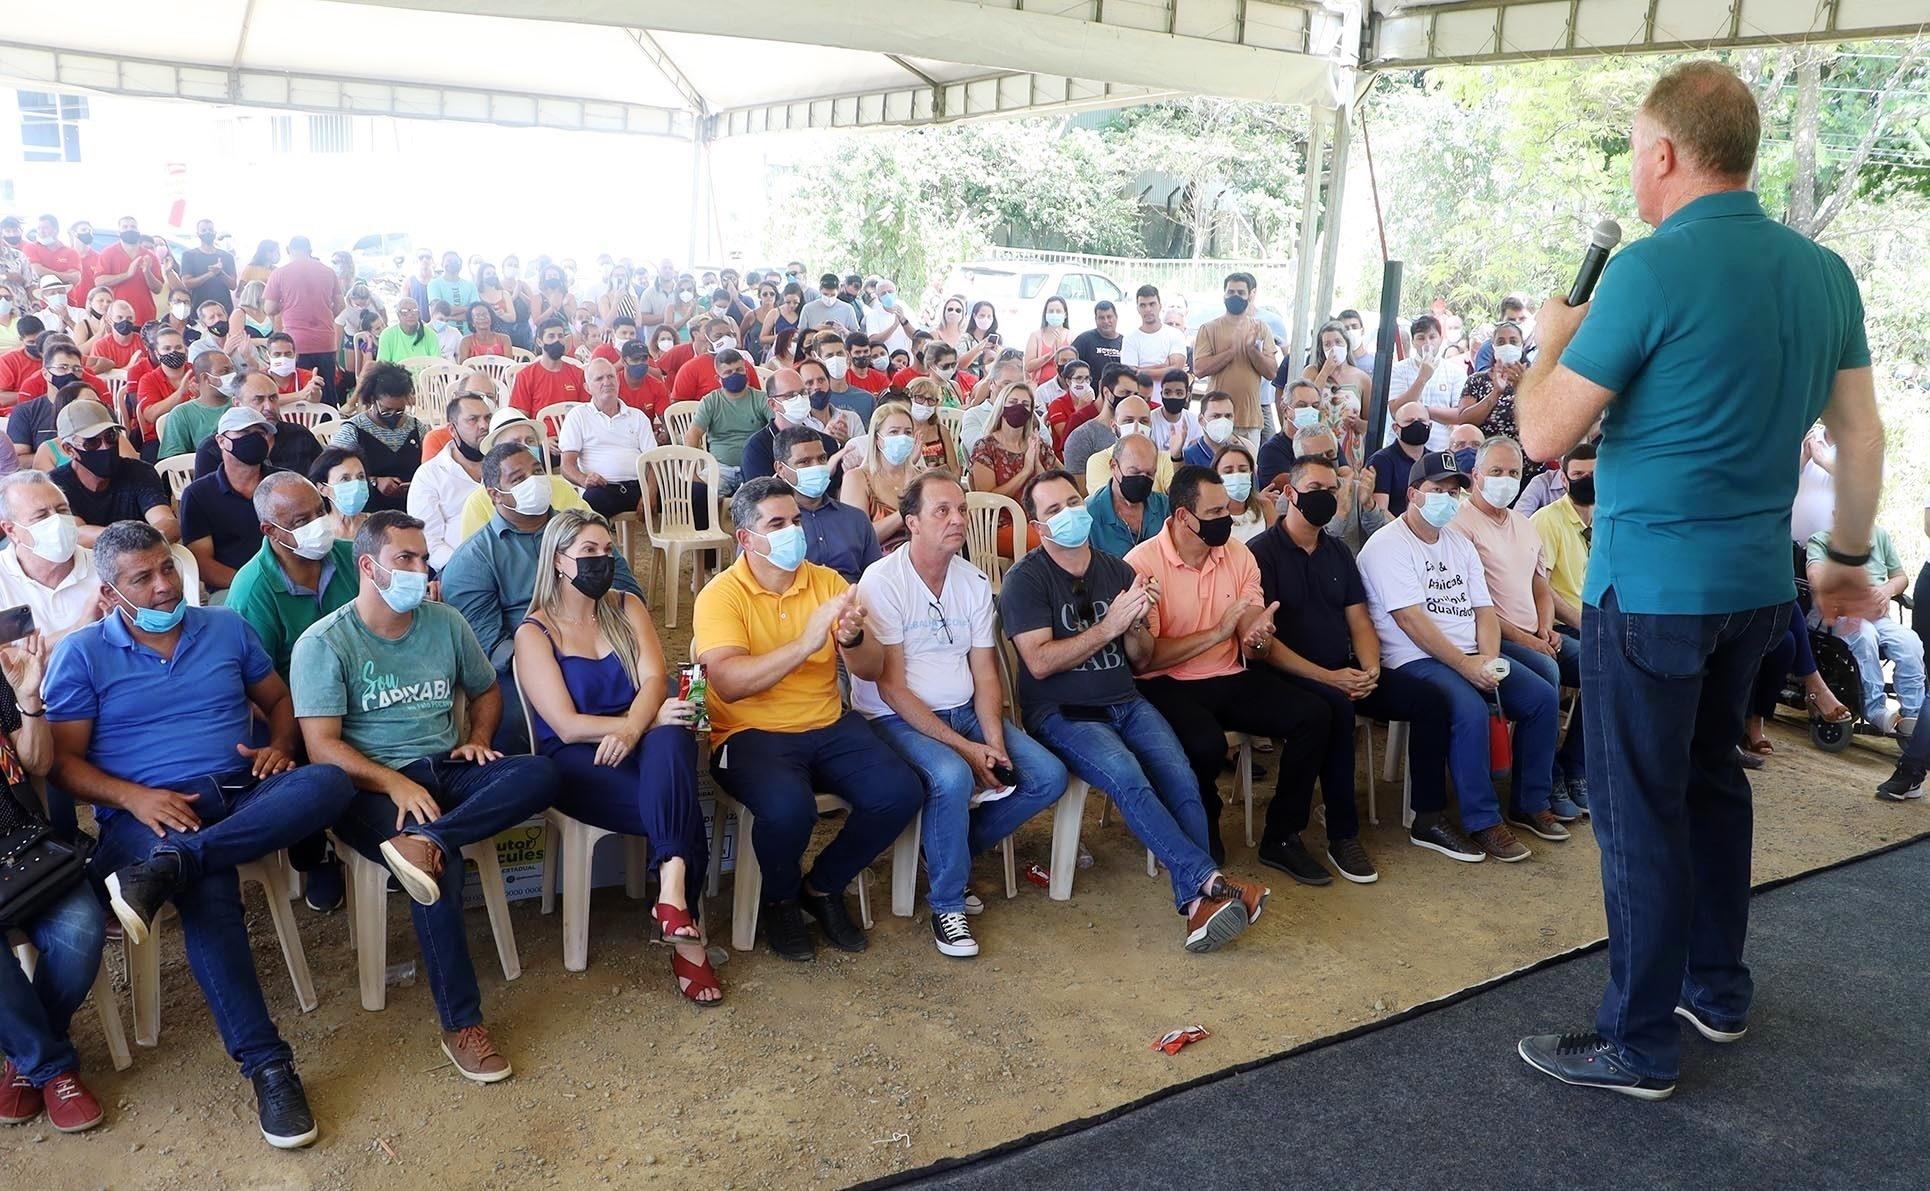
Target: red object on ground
1177,1040
1037,874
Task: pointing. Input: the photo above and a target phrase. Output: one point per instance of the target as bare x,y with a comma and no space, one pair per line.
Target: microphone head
1607,234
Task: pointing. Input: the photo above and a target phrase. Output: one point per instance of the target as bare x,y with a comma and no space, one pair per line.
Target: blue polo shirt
160,722
1720,335
1113,535
840,537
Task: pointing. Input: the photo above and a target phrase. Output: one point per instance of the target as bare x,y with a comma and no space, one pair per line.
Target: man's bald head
1136,451
785,382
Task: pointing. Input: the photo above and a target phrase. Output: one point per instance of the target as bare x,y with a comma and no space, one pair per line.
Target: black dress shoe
1291,857
1587,1061
137,893
785,931
834,920
286,1122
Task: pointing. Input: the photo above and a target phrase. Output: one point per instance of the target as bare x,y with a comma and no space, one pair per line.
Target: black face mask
1318,506
130,238
473,454
99,461
553,350
820,400
595,575
389,417
249,449
173,359
1581,490
1172,405
1135,488
1216,531
123,326
1236,306
218,328
33,350
1415,434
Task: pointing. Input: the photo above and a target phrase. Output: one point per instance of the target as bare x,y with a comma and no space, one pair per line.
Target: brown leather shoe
417,865
475,1055
1542,823
1500,843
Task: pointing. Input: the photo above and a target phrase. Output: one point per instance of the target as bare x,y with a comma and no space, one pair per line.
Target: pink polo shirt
1511,553
1191,600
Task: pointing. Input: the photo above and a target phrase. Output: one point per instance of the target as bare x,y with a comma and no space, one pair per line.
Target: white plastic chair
669,522
105,1002
748,886
551,416
178,471
501,369
1068,813
310,414
417,365
184,561
433,385
678,417
983,513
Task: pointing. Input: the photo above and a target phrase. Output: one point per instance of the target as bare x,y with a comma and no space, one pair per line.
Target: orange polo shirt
1191,600
734,610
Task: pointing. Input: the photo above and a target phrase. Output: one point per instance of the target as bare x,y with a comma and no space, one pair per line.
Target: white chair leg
1011,868
864,899
268,873
1246,784
748,888
904,868
1152,864
552,853
579,852
672,576
144,985
108,1006
368,907
1068,815
489,873
636,867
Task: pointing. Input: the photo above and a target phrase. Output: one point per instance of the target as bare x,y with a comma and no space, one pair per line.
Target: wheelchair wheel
1831,738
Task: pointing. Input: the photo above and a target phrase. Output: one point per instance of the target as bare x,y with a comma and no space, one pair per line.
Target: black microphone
1601,242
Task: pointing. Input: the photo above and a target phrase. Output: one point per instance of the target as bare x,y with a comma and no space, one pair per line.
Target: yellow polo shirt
1560,527
1099,470
478,509
734,610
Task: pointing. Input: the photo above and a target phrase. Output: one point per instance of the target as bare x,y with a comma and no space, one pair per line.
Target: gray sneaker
1562,806
1578,792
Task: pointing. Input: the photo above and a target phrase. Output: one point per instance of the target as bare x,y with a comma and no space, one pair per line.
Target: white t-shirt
1399,570
1152,349
1163,426
938,632
878,320
1815,508
609,445
1443,391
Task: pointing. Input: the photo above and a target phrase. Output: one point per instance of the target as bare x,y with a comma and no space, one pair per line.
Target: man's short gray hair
121,539
1493,442
20,479
276,484
743,505
1301,438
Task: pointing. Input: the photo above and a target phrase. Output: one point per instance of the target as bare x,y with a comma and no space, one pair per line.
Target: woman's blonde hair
561,533
883,490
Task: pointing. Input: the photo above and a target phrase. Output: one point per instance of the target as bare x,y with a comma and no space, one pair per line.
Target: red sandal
696,978
671,919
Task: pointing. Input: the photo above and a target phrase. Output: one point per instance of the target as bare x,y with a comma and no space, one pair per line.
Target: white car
1018,290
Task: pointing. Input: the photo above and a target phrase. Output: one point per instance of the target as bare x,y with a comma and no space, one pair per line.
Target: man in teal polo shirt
1126,511
1711,348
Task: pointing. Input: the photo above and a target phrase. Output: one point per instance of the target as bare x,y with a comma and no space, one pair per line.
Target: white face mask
944,371
54,537
282,365
795,408
984,322
1507,353
1141,428
1336,354
1081,388
723,344
921,412
532,496
179,310
1500,491
1219,429
835,366
314,540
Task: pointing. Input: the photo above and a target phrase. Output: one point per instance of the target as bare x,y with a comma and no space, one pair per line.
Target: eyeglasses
939,612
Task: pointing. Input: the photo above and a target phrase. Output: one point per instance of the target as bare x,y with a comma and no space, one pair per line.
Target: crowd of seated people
1209,547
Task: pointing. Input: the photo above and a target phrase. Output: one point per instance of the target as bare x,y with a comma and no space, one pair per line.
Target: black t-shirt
196,261
1314,591
1098,351
1038,594
31,422
759,454
1392,467
212,509
133,489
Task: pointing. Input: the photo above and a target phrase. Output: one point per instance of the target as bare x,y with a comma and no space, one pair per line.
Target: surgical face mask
1336,354
553,350
722,343
897,448
406,589
945,371
1235,306
438,325
1070,527
795,408
1507,353
1416,434
920,412
531,498
736,383
1219,429
54,537
595,575
665,344
153,620
888,301
1238,484
350,496
1306,417
1500,491
811,481
835,366
281,365
179,310
1439,508
787,547
1140,428
6,308
312,541
1055,318
983,322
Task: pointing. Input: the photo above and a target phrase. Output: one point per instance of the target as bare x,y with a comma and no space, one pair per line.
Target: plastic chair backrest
433,386
190,574
551,416
501,369
310,414
678,417
670,472
417,365
983,513
178,471
522,355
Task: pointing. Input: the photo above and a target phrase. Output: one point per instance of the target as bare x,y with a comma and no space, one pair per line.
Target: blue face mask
888,301
1239,485
1070,527
787,547
351,496
1439,508
897,448
406,589
812,481
1305,417
153,620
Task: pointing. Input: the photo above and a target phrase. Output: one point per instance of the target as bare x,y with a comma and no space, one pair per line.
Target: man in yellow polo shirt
1565,527
1208,620
768,632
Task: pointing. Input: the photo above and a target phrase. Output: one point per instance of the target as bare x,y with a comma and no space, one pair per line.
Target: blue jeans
1564,670
34,1015
1872,641
1135,758
262,820
1530,704
953,832
477,801
1665,697
777,776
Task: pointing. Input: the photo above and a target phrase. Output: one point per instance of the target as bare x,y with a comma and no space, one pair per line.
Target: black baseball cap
1435,465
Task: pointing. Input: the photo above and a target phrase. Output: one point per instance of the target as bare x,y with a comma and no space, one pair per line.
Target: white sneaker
1884,721
974,905
953,934
1906,727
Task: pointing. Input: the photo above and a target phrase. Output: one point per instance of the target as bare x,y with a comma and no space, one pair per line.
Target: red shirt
671,362
294,382
109,348
137,291
13,366
156,386
905,376
57,259
90,264
308,294
1063,418
138,370
537,387
34,384
699,377
652,397
872,380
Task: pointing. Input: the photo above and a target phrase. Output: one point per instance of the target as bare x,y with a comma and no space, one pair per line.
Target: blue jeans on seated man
778,776
35,1014
1565,670
1529,704
1665,697
261,819
1132,754
953,830
476,801
1872,641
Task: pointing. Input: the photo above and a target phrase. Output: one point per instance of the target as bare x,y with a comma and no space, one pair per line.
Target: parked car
381,252
1018,290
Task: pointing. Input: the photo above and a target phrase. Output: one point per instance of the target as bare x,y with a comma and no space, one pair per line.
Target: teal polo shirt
1720,336
1113,535
278,610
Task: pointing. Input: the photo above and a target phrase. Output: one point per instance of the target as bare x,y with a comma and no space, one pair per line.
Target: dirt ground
848,1068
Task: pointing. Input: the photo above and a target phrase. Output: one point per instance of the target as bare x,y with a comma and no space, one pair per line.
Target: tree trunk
1803,133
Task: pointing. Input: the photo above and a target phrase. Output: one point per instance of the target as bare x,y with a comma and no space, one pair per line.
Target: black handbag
36,869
